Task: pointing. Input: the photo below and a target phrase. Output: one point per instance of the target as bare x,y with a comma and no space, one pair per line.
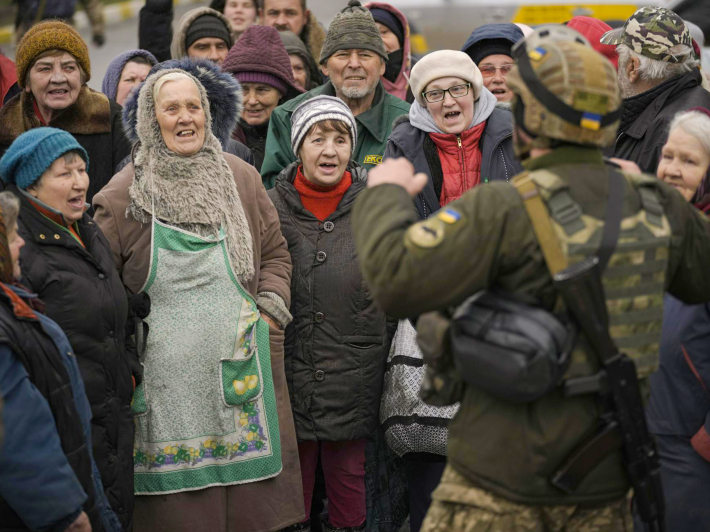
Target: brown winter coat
262,506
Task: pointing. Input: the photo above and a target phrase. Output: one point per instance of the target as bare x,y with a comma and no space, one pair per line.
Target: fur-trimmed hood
313,36
223,92
178,50
196,192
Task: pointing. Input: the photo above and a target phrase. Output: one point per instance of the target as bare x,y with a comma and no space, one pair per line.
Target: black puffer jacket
337,344
498,162
84,294
646,118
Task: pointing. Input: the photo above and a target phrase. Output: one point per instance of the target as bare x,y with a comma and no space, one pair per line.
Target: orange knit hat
50,35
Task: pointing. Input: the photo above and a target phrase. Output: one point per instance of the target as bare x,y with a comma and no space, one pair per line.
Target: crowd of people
210,291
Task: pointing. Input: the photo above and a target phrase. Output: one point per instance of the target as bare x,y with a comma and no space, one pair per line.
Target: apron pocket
241,380
139,405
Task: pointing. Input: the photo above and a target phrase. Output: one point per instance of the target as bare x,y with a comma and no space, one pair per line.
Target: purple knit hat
113,74
259,56
262,77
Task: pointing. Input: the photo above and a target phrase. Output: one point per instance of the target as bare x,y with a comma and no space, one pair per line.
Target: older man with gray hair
353,58
659,75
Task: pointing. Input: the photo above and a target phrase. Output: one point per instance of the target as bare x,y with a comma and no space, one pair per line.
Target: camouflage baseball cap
652,32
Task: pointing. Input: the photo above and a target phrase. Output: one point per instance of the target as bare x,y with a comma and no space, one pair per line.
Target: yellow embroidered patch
425,234
372,159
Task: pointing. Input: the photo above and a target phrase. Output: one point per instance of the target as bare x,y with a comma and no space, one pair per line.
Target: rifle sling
612,223
586,457
608,437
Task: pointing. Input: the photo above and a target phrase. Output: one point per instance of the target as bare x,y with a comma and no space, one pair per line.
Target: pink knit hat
259,56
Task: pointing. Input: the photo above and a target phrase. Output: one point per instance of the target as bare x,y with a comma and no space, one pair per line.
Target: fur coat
94,120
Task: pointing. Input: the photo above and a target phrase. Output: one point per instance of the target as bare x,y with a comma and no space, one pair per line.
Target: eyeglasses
457,91
488,71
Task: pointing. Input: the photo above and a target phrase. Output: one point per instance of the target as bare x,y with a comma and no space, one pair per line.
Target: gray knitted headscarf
196,193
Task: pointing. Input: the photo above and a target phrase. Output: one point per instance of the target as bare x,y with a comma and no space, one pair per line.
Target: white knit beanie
320,109
444,64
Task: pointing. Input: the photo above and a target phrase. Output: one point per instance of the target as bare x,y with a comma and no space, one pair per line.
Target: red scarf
321,201
38,114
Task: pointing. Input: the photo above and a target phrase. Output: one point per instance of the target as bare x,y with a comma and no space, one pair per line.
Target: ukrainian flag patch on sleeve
449,216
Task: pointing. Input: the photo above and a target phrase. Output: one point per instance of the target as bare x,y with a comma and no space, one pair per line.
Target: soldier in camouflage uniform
659,75
501,454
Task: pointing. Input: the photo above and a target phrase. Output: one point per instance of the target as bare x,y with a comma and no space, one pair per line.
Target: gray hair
170,76
10,208
694,123
654,70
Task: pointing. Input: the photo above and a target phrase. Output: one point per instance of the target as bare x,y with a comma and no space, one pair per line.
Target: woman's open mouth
328,168
77,203
58,92
186,133
452,115
497,92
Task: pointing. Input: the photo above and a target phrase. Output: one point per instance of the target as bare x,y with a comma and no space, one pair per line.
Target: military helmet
565,91
552,32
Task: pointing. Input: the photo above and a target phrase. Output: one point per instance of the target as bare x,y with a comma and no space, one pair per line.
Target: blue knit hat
113,73
33,152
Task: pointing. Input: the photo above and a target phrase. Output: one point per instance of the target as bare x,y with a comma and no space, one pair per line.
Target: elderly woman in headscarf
193,228
125,73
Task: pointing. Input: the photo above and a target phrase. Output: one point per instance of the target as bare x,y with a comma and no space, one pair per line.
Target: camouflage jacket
485,240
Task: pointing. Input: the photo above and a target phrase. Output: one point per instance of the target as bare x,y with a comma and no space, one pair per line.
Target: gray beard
625,86
355,93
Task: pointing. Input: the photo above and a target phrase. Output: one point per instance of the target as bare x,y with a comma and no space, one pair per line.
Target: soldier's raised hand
397,172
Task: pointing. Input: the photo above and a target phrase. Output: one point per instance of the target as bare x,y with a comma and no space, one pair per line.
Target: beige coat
262,506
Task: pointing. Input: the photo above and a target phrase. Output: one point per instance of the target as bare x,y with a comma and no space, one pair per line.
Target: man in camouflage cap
659,76
503,456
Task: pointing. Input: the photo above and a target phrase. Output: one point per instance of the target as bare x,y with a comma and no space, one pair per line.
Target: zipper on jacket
490,159
463,165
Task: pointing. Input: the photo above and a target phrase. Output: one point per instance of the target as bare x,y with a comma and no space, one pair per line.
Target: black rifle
625,424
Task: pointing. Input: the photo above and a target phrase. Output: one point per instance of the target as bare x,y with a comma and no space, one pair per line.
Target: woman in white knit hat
457,136
339,339
454,133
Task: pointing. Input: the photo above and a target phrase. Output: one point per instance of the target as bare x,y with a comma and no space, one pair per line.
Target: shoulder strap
540,220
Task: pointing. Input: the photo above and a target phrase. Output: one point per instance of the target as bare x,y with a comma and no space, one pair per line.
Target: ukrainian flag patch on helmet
591,121
537,54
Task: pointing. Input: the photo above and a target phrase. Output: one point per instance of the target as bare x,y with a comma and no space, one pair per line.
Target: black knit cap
389,19
353,29
207,26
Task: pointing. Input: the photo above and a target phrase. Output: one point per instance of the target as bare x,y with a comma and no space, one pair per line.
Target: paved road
124,36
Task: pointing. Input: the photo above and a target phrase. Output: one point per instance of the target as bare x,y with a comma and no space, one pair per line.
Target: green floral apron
206,409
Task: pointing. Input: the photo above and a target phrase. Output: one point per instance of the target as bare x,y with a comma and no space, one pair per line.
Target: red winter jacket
460,159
